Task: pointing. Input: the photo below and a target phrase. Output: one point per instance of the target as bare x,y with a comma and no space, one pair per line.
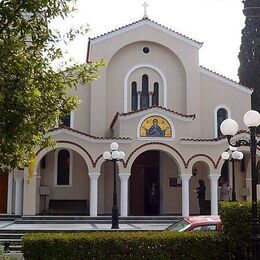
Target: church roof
226,79
206,140
88,135
192,117
148,21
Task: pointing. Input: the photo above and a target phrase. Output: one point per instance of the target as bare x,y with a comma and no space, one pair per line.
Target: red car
197,223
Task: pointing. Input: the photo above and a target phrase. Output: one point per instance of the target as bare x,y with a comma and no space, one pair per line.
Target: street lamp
114,155
229,128
235,156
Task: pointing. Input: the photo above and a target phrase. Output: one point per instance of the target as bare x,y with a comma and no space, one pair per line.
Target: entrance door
145,185
3,192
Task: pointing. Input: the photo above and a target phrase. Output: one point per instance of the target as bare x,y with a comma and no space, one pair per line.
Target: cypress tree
249,56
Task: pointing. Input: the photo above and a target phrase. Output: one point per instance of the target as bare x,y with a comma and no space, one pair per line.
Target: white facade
152,73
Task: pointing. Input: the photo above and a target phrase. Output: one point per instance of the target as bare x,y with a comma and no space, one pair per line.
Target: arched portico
43,193
155,185
200,170
63,185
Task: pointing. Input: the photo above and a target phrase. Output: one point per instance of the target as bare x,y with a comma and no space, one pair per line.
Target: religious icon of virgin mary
155,129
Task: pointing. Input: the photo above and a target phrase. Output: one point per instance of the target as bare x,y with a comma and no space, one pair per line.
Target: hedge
124,245
236,221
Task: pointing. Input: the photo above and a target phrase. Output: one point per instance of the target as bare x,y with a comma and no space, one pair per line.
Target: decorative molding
201,155
149,144
90,137
180,116
75,144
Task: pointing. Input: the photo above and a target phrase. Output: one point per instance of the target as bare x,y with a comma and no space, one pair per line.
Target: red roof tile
224,77
147,108
88,135
147,19
211,139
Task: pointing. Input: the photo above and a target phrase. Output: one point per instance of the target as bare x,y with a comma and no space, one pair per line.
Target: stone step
10,241
9,217
9,235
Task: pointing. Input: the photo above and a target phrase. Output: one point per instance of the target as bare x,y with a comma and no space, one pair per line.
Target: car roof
203,219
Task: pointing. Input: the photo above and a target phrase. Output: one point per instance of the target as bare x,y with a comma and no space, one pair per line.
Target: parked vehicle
197,223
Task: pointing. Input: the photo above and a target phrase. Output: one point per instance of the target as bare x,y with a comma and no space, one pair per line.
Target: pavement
11,225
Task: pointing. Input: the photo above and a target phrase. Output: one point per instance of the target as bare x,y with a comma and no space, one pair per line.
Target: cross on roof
145,5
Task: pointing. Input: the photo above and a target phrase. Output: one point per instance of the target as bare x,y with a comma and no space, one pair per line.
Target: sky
216,23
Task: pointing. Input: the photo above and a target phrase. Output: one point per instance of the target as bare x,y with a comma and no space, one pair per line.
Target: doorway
3,191
145,185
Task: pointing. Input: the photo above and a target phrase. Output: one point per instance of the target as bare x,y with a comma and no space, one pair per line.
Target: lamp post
235,155
229,128
114,155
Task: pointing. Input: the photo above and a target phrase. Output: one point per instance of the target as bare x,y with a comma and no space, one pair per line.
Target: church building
163,109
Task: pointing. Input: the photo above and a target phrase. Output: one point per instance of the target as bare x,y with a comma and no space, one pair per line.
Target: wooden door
145,185
3,192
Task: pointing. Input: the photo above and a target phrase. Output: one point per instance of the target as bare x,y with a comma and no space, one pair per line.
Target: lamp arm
238,143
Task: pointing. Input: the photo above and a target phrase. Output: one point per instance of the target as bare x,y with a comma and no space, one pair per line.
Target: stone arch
155,146
77,190
66,145
201,157
153,172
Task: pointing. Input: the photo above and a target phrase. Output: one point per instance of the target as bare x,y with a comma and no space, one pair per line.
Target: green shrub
236,221
124,245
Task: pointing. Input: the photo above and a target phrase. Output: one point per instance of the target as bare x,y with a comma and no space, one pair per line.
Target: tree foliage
249,56
32,93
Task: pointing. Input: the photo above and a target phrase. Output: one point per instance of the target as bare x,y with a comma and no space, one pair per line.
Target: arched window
63,167
222,114
134,96
155,97
144,95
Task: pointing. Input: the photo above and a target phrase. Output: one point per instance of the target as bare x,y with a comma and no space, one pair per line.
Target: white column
10,194
29,193
139,99
214,193
18,176
124,177
150,98
93,193
185,178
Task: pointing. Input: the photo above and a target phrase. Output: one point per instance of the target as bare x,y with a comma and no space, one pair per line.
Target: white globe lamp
236,155
121,155
115,155
225,155
114,146
252,118
107,155
229,127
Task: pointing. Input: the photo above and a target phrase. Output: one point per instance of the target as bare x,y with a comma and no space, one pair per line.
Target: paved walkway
11,225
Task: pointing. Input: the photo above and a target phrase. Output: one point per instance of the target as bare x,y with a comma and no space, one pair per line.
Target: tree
32,93
249,56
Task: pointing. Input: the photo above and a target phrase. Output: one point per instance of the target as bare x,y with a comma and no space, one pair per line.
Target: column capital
124,176
214,177
185,177
19,175
94,175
